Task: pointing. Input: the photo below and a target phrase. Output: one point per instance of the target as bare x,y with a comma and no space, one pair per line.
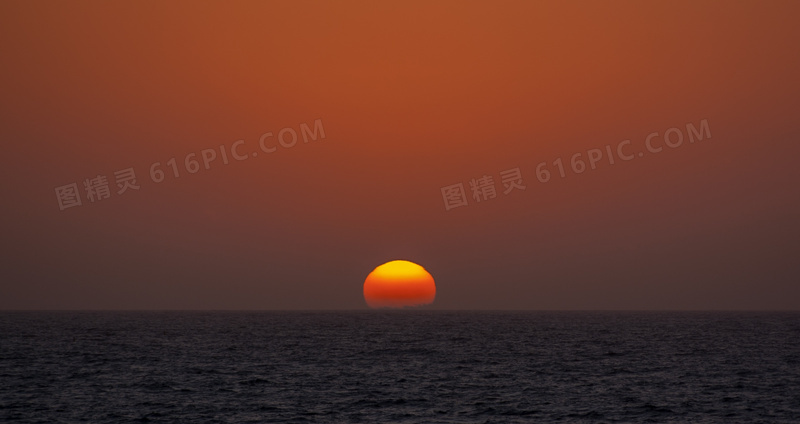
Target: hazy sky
413,97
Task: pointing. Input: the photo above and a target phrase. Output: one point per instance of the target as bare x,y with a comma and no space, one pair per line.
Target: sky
552,155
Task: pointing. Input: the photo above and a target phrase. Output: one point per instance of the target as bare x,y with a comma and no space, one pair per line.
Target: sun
399,284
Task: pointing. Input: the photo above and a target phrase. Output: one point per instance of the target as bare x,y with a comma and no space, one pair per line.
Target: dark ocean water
409,367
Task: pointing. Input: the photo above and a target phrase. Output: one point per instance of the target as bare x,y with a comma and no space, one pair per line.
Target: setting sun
399,284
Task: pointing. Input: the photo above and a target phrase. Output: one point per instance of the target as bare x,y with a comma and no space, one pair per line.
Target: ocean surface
400,367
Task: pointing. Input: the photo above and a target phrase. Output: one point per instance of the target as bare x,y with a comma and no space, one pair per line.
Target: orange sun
399,284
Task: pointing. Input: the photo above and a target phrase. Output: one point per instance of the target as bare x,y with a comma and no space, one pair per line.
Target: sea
400,367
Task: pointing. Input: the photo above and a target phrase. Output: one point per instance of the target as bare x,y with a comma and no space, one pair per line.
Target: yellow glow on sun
398,284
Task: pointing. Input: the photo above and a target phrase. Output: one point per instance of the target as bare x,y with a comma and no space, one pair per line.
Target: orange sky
413,97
